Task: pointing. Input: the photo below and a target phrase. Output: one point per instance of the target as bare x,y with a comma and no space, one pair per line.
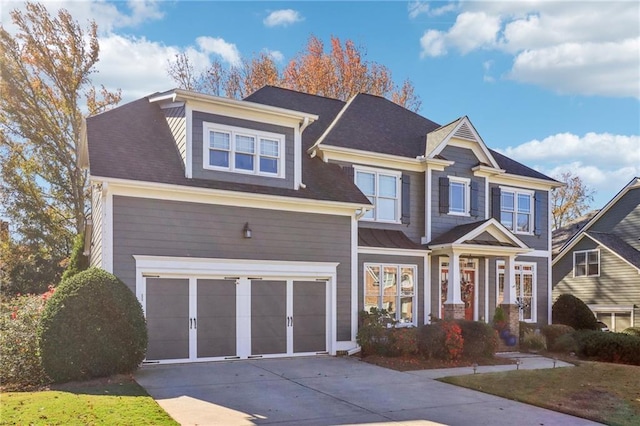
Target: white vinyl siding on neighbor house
243,150
525,288
382,188
393,288
586,263
516,210
459,196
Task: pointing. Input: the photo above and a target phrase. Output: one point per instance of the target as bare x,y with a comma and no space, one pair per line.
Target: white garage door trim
242,270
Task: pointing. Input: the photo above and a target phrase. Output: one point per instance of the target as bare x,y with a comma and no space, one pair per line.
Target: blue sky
555,85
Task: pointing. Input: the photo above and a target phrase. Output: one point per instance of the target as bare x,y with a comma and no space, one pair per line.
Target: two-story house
261,227
600,264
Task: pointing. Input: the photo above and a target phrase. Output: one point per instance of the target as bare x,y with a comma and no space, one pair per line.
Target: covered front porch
481,256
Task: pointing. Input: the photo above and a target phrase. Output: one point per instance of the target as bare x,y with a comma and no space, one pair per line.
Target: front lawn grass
606,393
118,400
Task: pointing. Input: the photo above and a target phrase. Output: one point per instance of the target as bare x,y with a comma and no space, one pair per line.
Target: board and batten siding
464,160
178,125
170,228
623,219
394,260
199,172
95,255
618,283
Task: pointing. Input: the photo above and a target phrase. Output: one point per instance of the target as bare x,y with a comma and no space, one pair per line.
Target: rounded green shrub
93,326
566,344
78,262
612,347
480,339
431,340
634,331
570,310
552,332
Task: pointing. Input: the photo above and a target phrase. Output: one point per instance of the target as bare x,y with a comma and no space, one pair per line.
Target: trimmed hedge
93,326
78,261
480,339
633,331
553,331
611,347
570,310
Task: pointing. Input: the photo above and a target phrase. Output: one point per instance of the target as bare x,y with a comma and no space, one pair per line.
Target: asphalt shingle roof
515,168
134,142
368,237
617,245
455,233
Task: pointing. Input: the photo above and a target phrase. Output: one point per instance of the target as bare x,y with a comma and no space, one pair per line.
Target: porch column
511,310
454,307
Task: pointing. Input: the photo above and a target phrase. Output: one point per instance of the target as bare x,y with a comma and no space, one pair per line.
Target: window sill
242,172
391,222
459,214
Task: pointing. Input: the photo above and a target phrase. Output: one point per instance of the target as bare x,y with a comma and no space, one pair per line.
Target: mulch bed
408,363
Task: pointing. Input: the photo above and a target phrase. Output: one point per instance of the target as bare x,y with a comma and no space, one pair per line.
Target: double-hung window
382,188
459,195
586,263
525,288
393,288
516,210
243,150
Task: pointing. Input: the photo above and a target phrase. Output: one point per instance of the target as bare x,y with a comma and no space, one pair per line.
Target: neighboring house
262,227
601,263
561,235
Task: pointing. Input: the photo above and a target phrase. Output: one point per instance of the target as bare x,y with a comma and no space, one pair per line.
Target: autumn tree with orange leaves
339,73
45,91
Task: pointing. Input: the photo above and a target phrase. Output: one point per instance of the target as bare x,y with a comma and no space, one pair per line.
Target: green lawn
112,401
607,393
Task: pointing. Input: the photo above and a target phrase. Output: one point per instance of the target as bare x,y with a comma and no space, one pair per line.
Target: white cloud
227,51
417,8
276,55
589,48
486,66
282,18
433,43
604,161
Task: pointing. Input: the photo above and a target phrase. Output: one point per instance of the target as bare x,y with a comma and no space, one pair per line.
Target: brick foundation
453,311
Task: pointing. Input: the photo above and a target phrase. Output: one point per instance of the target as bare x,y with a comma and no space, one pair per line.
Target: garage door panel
268,317
167,312
216,305
309,313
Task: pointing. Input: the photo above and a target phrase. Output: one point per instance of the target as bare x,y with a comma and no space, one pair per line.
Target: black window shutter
475,200
349,171
406,199
444,195
537,215
495,203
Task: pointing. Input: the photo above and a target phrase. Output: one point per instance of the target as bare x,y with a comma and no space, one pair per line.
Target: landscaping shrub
373,335
480,339
403,341
566,344
572,311
431,338
533,341
611,347
78,261
553,331
453,341
92,326
524,327
634,331
20,365
499,319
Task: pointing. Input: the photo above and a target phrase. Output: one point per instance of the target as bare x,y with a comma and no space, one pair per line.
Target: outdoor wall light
246,231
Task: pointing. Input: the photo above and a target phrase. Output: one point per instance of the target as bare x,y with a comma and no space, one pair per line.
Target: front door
467,292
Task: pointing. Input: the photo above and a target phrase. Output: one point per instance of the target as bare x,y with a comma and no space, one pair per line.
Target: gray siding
618,283
541,241
415,229
177,124
394,260
200,173
542,287
170,228
95,256
464,159
623,219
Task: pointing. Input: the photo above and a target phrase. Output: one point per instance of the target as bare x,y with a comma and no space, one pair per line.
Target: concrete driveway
326,391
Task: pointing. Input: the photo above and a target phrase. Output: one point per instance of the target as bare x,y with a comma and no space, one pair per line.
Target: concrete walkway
334,391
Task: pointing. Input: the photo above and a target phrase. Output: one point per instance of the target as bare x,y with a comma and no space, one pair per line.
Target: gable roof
515,168
472,234
134,142
634,183
617,246
562,235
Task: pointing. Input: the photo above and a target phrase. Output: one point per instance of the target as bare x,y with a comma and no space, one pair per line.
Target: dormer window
243,150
